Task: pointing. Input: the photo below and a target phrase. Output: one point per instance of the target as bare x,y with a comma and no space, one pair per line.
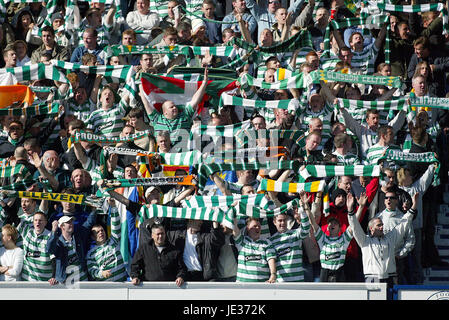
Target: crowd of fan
376,228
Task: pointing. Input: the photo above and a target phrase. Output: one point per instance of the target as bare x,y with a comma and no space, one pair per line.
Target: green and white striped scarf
36,71
425,157
256,212
369,22
323,171
298,81
208,214
18,171
102,140
432,102
386,105
425,7
205,170
223,201
227,99
117,50
274,135
111,74
220,131
394,82
299,40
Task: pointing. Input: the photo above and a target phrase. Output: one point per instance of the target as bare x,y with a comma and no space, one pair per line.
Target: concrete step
446,197
436,281
441,241
436,275
443,250
443,219
442,229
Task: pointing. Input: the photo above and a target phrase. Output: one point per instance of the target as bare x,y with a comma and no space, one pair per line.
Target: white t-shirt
14,258
190,255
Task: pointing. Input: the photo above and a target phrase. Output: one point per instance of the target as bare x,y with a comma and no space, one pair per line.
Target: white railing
193,290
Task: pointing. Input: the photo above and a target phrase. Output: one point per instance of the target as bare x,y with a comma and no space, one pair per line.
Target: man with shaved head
48,167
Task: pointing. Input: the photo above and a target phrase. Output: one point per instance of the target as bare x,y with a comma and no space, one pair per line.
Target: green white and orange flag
15,94
181,91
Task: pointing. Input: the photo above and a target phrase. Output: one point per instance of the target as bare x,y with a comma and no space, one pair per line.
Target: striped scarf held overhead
36,110
425,157
228,131
323,171
207,214
102,140
227,99
205,170
145,182
299,81
244,210
111,74
324,75
369,22
429,102
223,201
425,7
274,136
386,105
36,71
300,40
242,155
118,50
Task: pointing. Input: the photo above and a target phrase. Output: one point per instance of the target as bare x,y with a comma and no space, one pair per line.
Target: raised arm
243,25
220,184
96,88
148,105
381,36
426,179
44,172
357,230
339,39
304,202
199,94
80,153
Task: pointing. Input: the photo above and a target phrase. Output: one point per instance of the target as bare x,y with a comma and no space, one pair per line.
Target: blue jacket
81,50
56,246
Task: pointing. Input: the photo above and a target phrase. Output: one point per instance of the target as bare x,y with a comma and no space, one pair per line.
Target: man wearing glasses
379,248
391,217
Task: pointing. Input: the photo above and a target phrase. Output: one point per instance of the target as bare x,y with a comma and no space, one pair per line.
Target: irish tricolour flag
181,91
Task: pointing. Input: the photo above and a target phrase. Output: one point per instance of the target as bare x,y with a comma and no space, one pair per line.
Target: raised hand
363,199
350,201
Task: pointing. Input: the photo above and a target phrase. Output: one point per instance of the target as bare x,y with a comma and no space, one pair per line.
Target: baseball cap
150,189
64,219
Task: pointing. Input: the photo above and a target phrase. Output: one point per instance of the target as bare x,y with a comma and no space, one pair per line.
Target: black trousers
327,275
194,276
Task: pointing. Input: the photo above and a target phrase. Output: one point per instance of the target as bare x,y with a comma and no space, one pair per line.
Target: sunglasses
393,198
15,128
271,2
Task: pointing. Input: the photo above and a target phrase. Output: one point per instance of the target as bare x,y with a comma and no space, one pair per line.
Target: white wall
194,291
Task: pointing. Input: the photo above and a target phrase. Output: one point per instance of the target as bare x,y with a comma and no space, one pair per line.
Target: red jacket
341,214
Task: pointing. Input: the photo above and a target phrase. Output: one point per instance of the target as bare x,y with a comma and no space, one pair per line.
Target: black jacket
7,148
150,265
207,248
72,161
